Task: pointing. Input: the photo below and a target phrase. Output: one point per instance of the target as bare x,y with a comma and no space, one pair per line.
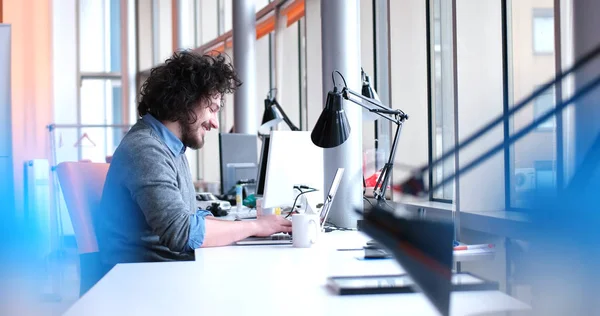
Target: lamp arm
397,117
381,108
377,111
286,119
384,177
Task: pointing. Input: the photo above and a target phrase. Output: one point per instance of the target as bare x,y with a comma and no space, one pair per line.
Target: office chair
82,184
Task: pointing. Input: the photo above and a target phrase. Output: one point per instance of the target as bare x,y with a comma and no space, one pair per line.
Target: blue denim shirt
197,225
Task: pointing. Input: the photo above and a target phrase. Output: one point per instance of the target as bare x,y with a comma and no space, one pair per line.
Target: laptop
284,239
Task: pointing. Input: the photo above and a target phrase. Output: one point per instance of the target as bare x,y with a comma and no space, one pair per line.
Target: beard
189,136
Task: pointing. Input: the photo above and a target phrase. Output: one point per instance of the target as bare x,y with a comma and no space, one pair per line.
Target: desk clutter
401,283
461,251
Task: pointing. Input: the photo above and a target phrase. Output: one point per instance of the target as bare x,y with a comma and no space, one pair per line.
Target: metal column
587,112
244,37
340,44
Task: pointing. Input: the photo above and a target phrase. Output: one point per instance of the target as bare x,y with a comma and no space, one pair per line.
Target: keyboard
269,240
278,237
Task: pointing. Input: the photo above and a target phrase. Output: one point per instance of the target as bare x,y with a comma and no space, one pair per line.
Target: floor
45,286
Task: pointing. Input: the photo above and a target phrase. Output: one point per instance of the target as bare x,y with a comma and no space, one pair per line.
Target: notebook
282,239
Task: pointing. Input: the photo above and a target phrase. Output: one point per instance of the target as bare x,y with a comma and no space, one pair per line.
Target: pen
470,247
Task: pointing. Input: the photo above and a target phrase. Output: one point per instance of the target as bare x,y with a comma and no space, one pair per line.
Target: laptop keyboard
280,237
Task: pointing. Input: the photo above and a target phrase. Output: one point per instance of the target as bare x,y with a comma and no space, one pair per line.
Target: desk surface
270,280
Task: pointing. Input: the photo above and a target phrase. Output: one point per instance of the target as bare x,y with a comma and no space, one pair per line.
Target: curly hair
174,89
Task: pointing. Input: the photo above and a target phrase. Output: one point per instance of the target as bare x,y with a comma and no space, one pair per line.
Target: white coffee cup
305,230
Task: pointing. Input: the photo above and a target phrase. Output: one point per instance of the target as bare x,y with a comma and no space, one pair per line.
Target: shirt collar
174,144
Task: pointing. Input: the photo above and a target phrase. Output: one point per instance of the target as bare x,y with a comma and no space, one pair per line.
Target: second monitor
239,155
292,160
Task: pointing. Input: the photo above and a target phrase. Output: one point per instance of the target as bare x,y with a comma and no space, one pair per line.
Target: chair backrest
82,184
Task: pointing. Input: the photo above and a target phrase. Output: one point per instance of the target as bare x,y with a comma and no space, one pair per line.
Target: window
533,158
99,36
543,104
441,96
408,77
543,30
209,20
100,96
288,86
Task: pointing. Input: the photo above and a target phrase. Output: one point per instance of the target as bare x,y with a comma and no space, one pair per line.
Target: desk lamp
332,128
273,115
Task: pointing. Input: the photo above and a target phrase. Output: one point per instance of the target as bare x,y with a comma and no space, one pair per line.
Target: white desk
266,280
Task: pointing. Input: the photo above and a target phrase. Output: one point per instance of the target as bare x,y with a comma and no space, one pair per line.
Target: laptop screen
331,195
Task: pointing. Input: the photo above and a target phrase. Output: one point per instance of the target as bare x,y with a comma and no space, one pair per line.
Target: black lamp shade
332,128
271,117
367,91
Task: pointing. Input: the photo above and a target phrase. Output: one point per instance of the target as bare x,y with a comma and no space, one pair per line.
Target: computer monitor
236,149
293,160
262,165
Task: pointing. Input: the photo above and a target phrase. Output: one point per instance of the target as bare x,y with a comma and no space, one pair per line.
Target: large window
534,157
441,95
471,86
100,96
543,104
408,76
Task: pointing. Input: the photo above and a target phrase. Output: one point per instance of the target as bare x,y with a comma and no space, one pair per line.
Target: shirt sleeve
197,229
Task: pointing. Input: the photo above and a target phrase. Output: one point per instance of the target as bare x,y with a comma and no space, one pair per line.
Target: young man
148,210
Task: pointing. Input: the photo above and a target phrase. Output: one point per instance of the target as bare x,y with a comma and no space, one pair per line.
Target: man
148,210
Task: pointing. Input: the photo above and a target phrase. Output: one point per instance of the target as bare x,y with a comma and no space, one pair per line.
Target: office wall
31,81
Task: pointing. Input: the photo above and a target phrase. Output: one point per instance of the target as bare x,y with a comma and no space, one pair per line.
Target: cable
296,200
329,227
366,199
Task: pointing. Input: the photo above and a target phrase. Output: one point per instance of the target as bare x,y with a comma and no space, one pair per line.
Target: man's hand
271,224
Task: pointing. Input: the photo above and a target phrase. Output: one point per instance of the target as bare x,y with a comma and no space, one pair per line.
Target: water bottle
238,197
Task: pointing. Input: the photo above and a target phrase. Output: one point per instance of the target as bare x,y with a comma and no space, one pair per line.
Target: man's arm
222,233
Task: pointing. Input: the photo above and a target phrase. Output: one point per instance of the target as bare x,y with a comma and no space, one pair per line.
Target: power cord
366,199
296,199
329,227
